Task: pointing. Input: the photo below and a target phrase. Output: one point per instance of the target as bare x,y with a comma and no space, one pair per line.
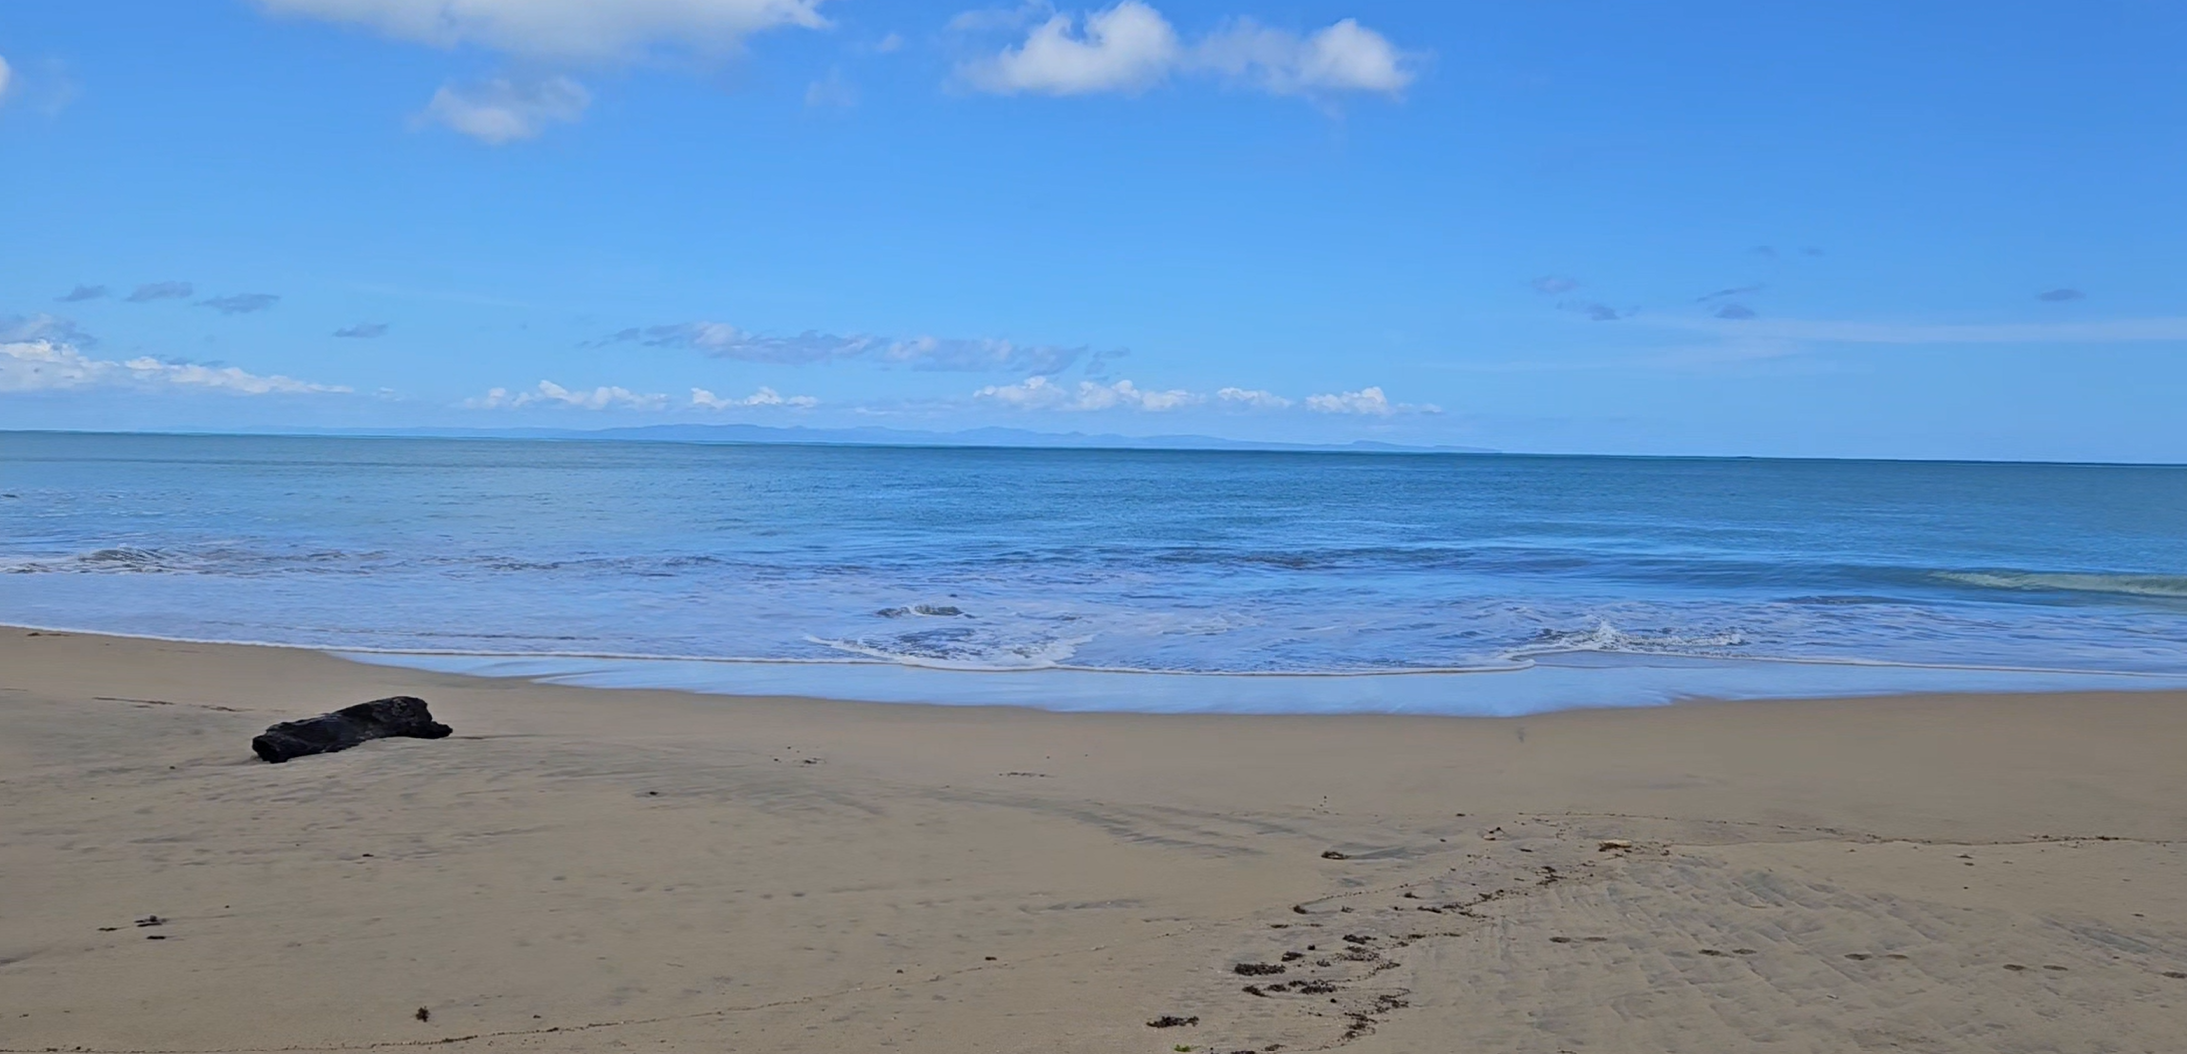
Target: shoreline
587,867
1550,683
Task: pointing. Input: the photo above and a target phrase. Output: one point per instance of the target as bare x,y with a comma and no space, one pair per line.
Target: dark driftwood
402,715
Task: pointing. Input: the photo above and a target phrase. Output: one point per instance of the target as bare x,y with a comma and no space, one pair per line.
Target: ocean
1112,579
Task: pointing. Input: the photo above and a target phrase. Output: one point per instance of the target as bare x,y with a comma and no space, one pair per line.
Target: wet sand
581,870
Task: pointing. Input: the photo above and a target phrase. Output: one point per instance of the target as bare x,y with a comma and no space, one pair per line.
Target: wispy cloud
1043,393
151,291
241,303
1735,312
7,78
2059,296
723,341
81,293
833,91
501,111
1726,294
363,330
2115,331
1130,47
1594,311
614,397
591,30
49,366
1554,284
42,326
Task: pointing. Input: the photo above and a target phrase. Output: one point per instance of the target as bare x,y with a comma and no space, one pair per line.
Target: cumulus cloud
548,393
1044,393
1255,398
363,330
612,397
723,341
1040,393
1127,48
765,396
566,29
1553,284
501,111
1342,57
1370,402
161,291
1364,401
47,366
2059,296
82,292
1130,47
241,303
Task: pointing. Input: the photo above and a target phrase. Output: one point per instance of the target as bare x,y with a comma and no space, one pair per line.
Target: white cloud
47,366
1040,393
6,75
1130,47
500,111
613,397
1255,398
1043,393
1127,48
567,29
1343,57
706,400
1366,401
548,393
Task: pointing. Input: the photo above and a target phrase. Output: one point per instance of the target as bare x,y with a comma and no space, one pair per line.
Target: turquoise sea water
1142,580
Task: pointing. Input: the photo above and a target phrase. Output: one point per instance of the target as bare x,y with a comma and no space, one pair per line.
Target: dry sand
583,870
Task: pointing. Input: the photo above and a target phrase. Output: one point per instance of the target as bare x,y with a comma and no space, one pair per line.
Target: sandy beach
583,870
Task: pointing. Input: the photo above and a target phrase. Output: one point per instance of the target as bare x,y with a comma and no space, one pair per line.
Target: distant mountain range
976,437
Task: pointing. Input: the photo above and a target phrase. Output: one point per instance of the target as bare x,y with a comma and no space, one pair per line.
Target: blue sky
1857,229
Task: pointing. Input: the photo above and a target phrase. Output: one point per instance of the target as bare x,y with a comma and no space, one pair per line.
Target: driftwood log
402,715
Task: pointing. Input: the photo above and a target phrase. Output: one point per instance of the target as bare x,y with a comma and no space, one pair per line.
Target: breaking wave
1604,637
